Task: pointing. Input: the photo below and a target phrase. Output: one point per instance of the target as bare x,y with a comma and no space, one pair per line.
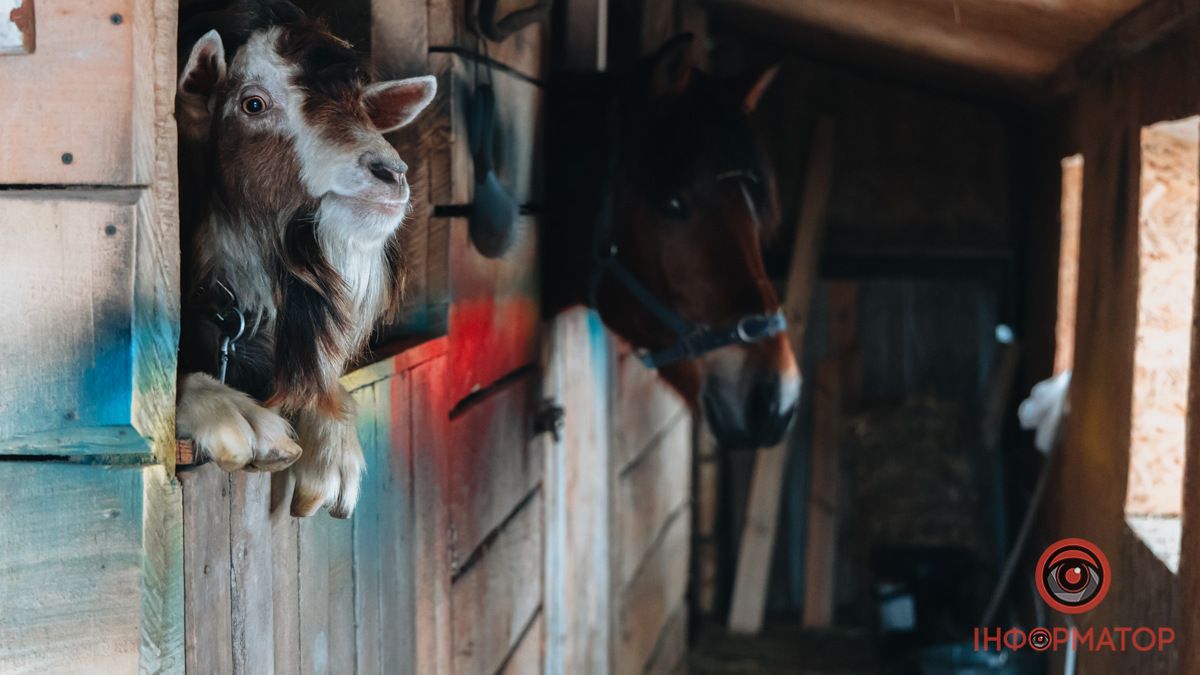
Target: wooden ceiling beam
1134,33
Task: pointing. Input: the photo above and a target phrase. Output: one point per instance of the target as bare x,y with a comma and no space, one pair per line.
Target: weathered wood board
579,496
495,463
87,97
495,599
94,584
650,492
69,358
645,605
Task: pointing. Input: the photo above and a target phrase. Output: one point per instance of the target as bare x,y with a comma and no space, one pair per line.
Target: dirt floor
782,650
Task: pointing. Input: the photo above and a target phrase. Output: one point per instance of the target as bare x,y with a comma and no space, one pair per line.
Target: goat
291,204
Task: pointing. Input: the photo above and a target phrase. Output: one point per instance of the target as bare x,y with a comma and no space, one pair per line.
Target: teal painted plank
89,569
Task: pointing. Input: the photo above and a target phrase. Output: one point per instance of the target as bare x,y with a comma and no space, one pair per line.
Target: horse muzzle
751,411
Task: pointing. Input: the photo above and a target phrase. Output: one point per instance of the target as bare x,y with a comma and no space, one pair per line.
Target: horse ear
203,73
671,66
758,87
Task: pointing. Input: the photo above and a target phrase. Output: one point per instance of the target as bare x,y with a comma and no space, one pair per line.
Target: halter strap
693,340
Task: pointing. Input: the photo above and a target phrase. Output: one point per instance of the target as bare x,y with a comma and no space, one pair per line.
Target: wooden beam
821,548
1134,33
762,511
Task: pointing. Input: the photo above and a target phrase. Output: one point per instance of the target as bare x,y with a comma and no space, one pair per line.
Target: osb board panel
1021,39
90,581
495,462
650,492
494,600
66,356
77,94
495,318
646,603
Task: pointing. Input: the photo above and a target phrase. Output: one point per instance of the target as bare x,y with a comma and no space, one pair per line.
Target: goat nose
388,172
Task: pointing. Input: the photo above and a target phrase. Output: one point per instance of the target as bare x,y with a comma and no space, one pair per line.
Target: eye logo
1073,576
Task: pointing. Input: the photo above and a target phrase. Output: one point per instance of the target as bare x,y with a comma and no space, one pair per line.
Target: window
1068,262
1170,197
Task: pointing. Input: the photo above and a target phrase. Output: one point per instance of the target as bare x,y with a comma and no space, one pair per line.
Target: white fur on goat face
334,153
356,207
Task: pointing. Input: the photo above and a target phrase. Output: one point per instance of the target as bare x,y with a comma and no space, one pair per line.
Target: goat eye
253,105
676,207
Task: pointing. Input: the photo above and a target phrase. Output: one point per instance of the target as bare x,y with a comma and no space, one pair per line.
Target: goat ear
758,87
205,67
395,103
204,71
671,66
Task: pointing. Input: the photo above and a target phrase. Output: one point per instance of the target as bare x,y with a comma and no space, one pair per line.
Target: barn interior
976,198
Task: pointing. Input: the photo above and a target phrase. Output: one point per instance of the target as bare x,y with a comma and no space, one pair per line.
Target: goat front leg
231,428
331,468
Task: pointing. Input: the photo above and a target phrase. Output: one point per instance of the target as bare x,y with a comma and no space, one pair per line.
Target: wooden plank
823,498
1140,29
494,462
400,48
706,553
672,644
393,432
495,320
646,603
85,60
327,643
383,531
162,630
369,600
584,35
762,510
496,596
156,252
526,657
75,578
650,493
251,573
285,576
68,265
208,604
578,494
646,407
431,538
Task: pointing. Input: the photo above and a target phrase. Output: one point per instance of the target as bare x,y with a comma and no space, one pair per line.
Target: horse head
677,267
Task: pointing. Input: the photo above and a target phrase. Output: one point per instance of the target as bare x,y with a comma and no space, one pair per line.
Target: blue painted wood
90,569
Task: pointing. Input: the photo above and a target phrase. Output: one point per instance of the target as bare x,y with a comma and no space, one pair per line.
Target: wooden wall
1103,122
482,544
91,565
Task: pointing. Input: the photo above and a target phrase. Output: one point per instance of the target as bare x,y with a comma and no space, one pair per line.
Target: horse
291,203
658,200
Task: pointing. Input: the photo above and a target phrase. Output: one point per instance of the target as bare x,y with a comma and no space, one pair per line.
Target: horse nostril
387,173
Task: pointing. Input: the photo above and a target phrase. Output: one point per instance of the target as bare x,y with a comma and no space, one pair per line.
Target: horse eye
253,105
676,208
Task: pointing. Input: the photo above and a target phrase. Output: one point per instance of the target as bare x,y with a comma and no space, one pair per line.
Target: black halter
693,340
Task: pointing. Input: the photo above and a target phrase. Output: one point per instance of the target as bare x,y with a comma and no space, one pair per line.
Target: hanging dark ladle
494,213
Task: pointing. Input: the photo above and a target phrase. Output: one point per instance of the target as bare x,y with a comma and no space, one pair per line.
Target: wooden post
820,550
762,510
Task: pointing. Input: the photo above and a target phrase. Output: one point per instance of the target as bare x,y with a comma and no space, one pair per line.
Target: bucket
962,659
